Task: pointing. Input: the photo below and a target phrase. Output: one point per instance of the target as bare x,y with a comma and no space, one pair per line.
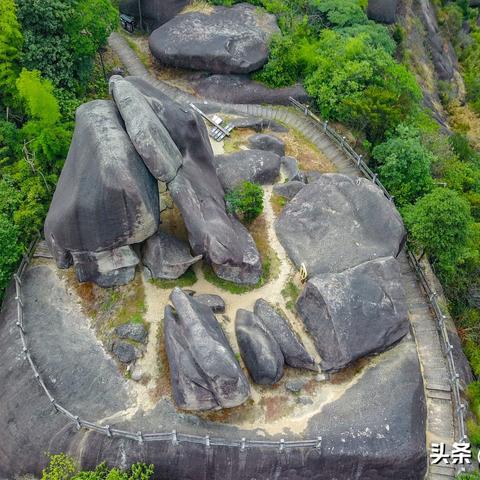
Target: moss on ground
188,279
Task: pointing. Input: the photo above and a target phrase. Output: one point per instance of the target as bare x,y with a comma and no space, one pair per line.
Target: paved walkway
440,420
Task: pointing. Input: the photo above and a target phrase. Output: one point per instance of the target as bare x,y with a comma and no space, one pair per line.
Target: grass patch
277,203
231,287
198,6
290,293
188,279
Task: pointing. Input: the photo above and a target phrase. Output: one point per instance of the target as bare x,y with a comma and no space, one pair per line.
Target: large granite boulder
204,372
222,240
278,326
147,133
359,311
382,10
270,143
258,124
339,222
223,40
259,350
108,268
105,197
240,89
166,257
154,12
256,166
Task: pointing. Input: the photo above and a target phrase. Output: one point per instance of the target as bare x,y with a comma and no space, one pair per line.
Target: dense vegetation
246,201
62,467
47,68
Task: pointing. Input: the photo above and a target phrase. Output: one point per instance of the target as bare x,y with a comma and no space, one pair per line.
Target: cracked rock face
290,345
222,240
105,197
147,133
259,350
359,311
166,257
256,166
224,40
338,222
204,372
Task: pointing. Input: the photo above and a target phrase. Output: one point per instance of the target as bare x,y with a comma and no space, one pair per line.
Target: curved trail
440,420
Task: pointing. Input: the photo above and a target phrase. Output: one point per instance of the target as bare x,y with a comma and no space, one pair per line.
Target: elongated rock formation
204,372
222,240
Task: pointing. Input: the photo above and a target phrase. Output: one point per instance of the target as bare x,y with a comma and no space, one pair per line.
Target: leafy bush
246,200
62,467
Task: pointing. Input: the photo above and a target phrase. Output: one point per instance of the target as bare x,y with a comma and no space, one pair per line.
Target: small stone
295,386
124,352
132,331
137,374
215,302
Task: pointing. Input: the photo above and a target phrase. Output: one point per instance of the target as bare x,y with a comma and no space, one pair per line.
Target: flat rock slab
339,222
222,240
223,40
374,431
204,372
357,312
256,166
240,89
278,326
103,173
165,256
259,350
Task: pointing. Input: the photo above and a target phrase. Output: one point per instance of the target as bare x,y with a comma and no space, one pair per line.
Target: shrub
246,200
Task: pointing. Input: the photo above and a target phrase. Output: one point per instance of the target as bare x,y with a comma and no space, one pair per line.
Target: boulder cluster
105,212
346,235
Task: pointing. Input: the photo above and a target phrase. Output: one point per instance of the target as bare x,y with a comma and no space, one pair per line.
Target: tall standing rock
223,40
222,240
147,133
339,222
105,197
204,372
290,345
258,348
359,311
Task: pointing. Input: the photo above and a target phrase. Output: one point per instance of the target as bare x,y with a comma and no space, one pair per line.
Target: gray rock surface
289,167
225,40
215,302
382,10
102,174
124,351
258,124
292,348
339,222
154,12
256,166
147,133
310,176
259,350
109,268
354,313
376,430
204,372
132,331
296,386
240,89
199,195
288,190
166,257
270,143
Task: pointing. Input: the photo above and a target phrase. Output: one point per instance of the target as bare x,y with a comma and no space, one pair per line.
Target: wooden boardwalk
440,418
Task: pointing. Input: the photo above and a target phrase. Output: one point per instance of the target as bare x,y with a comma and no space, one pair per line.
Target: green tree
439,224
404,165
10,248
11,41
246,200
